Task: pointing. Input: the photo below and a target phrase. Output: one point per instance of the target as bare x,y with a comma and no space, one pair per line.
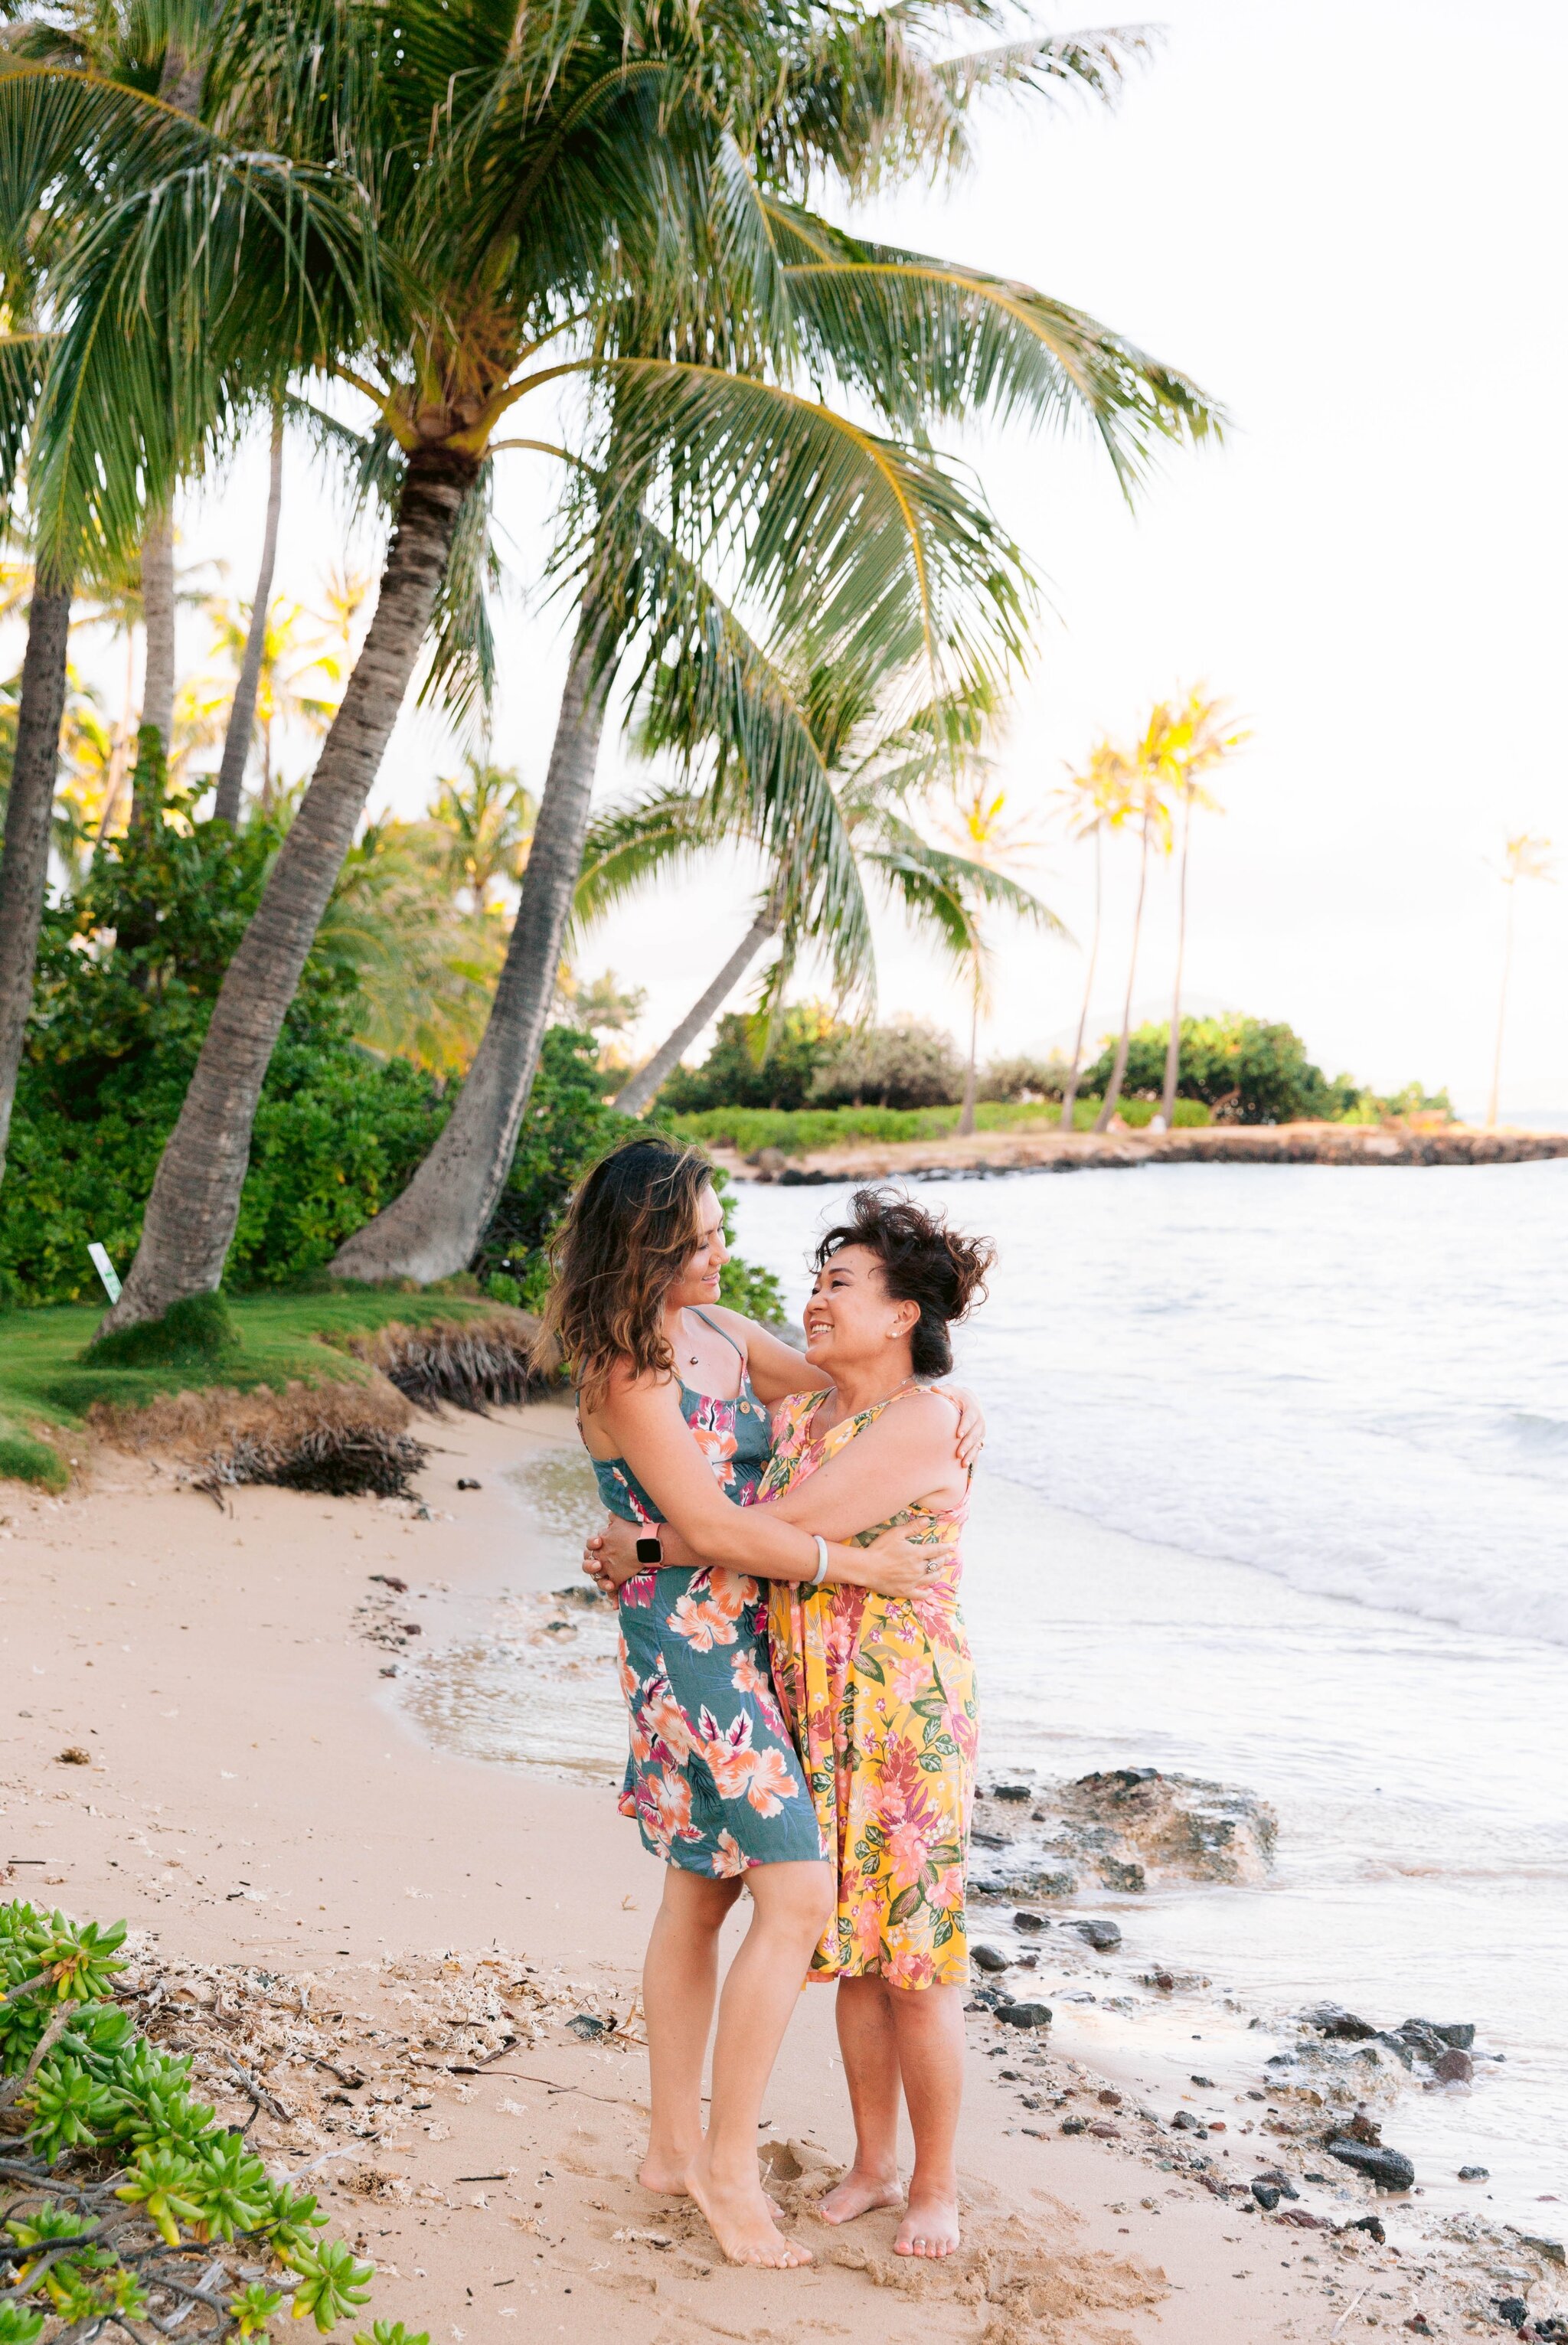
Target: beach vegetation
1251,1071
160,2211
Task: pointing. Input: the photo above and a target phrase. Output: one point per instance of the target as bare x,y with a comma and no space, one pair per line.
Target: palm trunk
1502,1013
966,1113
1119,1067
157,673
194,1200
433,1229
646,1082
1173,1040
1070,1096
242,716
24,865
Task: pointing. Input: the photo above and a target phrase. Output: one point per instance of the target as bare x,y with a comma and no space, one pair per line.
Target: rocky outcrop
1119,1830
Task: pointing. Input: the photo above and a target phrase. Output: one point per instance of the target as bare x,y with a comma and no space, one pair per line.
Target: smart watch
650,1549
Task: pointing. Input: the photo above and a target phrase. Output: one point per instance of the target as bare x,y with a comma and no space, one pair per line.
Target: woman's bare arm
643,1421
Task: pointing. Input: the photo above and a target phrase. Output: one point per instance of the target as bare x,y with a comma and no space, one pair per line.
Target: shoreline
243,1807
991,1153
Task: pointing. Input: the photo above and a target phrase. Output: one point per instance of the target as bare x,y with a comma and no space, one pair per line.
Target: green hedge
801,1131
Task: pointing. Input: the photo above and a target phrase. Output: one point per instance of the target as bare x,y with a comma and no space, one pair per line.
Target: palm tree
488,818
1525,855
992,840
1196,741
879,773
1096,802
1146,804
242,712
918,339
514,175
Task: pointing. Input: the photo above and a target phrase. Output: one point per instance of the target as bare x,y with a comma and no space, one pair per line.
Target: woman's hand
610,1555
899,1566
971,1435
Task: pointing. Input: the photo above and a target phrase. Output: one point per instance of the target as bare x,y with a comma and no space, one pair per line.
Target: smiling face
698,1281
853,1321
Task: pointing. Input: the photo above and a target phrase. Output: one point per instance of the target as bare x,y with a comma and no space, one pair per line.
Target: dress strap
718,1330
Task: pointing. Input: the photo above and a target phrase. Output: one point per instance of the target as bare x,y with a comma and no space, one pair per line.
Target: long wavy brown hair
629,1231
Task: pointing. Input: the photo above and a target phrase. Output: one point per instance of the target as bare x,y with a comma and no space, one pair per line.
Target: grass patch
801,1132
52,1371
23,1459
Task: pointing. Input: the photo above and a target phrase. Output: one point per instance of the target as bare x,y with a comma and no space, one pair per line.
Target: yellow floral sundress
878,1694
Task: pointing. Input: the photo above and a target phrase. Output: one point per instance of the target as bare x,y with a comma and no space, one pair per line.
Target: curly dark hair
924,1261
632,1225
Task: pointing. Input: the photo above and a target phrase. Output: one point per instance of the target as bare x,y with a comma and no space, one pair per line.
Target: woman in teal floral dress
713,1779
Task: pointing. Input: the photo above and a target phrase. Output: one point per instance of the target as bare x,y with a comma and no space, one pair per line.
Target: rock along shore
987,1153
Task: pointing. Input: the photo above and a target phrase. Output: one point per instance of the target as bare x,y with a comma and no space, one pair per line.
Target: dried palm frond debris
339,1440
476,1364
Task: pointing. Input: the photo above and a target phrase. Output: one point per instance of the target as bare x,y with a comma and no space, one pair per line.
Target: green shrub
733,1076
164,2200
909,1064
23,1459
1252,1072
502,1289
196,1332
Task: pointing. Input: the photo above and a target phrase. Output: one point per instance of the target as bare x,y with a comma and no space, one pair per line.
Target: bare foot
740,2218
856,2194
931,2227
664,2172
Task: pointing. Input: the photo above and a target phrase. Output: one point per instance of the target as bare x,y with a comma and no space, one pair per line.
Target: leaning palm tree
1526,856
992,840
1198,737
515,176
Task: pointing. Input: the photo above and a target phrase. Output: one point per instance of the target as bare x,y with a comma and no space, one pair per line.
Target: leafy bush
1250,1071
732,1076
166,2204
1023,1078
910,1064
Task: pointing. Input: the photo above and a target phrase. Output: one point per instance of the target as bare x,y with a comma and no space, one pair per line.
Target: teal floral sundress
713,1779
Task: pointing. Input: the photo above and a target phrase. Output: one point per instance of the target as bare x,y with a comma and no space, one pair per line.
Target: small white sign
106,1271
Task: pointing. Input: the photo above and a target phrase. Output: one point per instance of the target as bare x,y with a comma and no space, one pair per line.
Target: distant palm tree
1525,856
1193,741
991,839
1148,805
489,818
1096,802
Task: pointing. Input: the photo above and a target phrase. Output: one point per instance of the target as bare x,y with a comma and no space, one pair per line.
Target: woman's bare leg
680,1982
928,2024
792,1904
870,2047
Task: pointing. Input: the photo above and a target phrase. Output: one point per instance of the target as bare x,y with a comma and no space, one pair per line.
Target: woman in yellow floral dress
879,1692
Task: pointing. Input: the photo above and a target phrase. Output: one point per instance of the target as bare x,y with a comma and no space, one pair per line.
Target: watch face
650,1551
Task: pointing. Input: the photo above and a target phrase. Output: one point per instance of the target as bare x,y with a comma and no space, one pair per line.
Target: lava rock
1074,2125
1267,2195
1366,2130
1475,2174
988,1958
1513,2311
1102,1936
1184,2121
1388,2169
1332,2020
1010,1791
1281,2182
1551,2248
1024,2014
1372,2225
1027,1921
464,1482
1455,2068
1206,2082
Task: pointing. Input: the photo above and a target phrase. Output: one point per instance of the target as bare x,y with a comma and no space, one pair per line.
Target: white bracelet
821,1573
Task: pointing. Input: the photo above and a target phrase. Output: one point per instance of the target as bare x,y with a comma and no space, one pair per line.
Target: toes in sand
930,2229
857,2193
741,2219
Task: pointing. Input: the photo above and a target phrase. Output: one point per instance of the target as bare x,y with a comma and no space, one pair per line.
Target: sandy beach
428,1964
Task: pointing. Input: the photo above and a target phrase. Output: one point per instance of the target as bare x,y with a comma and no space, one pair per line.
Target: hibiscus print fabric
880,1697
713,1779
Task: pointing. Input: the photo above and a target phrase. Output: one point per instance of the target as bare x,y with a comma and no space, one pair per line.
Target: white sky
1344,220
